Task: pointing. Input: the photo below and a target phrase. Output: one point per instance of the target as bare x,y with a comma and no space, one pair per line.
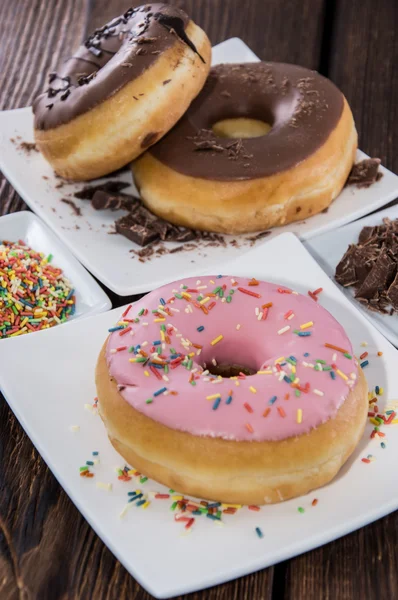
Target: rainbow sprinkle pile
34,295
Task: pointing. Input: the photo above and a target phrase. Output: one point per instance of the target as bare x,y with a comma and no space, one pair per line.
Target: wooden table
47,550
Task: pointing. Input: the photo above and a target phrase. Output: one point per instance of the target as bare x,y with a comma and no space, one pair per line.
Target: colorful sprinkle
216,340
284,329
104,486
337,348
216,403
161,391
213,396
249,292
342,375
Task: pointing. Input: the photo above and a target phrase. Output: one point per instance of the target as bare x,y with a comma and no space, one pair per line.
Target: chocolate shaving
106,201
112,187
365,173
208,145
27,147
371,267
258,236
73,206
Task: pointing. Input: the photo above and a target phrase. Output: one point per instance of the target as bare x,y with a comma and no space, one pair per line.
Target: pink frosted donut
287,411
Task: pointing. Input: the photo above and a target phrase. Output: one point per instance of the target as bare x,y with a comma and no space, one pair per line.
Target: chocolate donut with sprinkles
122,90
232,389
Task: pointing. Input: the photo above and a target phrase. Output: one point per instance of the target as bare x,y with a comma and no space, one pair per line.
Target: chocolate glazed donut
197,178
122,90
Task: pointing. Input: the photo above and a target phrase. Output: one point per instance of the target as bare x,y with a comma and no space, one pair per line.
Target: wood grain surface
47,550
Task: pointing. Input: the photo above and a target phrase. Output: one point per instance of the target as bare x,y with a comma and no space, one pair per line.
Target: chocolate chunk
136,233
392,293
365,173
379,278
143,227
366,234
345,270
181,234
104,200
112,187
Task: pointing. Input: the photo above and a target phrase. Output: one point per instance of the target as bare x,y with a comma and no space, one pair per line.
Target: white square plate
329,248
90,298
148,542
116,267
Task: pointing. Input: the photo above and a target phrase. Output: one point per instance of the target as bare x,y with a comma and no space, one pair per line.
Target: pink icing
255,344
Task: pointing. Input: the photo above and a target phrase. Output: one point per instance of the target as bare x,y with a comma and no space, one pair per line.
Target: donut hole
228,370
241,128
242,356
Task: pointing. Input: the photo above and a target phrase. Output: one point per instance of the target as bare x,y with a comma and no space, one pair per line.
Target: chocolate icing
302,106
109,59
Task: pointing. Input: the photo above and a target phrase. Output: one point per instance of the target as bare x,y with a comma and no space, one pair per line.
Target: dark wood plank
363,63
34,37
363,54
47,550
288,32
362,565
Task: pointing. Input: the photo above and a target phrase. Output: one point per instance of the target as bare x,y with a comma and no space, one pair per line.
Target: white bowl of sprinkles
41,283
